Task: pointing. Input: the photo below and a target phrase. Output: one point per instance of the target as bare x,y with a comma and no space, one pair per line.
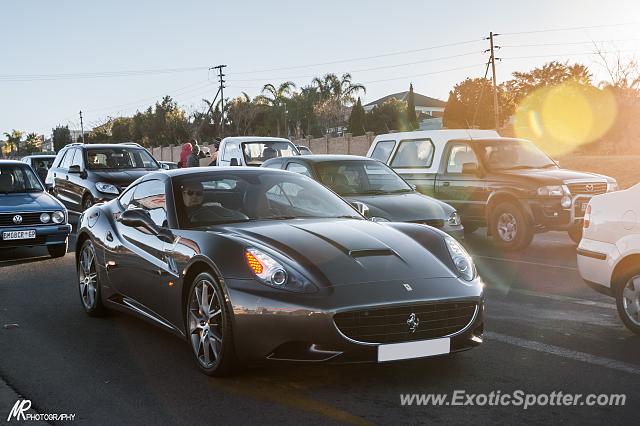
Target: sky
113,58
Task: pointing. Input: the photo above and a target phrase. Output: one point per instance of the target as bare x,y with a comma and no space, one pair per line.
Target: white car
609,252
253,150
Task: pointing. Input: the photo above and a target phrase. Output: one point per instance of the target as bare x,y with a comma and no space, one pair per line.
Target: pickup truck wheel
510,229
575,232
627,293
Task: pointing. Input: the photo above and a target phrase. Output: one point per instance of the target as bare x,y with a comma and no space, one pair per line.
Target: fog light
45,218
279,277
565,202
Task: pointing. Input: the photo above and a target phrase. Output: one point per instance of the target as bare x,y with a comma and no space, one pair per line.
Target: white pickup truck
253,150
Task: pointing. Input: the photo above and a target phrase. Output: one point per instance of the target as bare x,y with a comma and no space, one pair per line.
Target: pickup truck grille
28,219
587,188
390,325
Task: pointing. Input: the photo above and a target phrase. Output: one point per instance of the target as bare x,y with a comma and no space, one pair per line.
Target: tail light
587,217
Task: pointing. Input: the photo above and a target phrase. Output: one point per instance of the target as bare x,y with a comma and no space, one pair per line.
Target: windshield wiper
521,167
548,166
400,191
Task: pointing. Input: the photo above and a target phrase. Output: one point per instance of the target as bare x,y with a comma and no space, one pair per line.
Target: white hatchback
609,253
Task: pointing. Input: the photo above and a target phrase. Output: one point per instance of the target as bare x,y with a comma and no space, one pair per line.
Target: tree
472,105
61,137
412,118
33,143
121,129
356,121
276,98
454,113
390,116
13,140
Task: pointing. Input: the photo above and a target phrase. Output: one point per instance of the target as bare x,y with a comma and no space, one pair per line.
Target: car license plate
19,235
583,207
419,349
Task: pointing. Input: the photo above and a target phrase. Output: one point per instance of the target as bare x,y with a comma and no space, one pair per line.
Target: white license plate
408,350
19,235
583,207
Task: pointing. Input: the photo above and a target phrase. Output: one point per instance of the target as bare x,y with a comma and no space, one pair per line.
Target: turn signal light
254,263
587,217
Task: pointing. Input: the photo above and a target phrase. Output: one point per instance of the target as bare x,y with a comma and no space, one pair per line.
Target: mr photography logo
20,412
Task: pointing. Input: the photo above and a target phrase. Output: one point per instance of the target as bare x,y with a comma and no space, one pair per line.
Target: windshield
256,153
16,179
42,162
512,155
360,177
214,198
120,158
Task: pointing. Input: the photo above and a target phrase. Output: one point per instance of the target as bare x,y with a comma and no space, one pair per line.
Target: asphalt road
546,332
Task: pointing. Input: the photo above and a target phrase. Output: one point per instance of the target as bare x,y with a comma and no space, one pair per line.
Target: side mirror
362,208
470,169
139,218
413,186
234,162
164,166
75,169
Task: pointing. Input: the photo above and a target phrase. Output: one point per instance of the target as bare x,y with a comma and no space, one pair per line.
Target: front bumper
547,213
456,232
596,261
275,325
45,235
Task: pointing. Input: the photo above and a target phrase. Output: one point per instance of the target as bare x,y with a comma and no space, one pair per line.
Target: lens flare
564,117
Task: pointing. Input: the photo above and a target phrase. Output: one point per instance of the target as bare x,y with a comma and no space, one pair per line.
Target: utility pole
495,86
81,127
221,90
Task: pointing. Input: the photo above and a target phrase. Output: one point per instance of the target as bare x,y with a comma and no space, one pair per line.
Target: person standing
184,154
194,159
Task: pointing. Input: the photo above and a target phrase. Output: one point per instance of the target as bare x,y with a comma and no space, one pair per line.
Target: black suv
83,175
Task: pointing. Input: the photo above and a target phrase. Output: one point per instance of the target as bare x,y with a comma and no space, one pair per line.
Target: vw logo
589,187
17,219
413,322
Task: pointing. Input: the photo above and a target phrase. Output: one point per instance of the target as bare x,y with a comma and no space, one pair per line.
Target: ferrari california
254,264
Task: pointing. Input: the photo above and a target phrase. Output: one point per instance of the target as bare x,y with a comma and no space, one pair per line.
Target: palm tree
276,97
336,94
13,140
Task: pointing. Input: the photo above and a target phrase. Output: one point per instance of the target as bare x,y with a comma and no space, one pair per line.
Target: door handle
445,183
67,177
109,236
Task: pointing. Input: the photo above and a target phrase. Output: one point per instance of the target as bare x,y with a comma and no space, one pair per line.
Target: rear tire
627,294
509,227
208,327
58,250
89,280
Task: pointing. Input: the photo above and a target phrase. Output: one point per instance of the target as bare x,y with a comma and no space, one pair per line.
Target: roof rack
130,143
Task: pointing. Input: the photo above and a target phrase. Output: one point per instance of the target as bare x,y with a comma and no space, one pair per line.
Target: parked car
304,150
29,216
253,150
375,189
83,175
609,253
506,184
168,165
251,264
40,163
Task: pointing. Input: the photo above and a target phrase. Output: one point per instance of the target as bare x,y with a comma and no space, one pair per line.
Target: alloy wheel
88,277
206,323
631,299
507,227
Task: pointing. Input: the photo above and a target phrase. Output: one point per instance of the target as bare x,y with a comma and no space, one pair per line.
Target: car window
257,152
416,153
274,164
125,198
458,156
59,158
360,177
18,178
382,151
150,196
68,158
77,159
299,168
40,163
293,195
120,158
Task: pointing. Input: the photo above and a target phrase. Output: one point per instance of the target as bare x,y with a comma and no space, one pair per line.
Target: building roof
420,100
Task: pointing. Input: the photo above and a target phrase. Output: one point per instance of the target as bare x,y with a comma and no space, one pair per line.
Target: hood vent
371,252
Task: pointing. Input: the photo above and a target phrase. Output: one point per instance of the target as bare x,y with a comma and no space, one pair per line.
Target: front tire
627,293
58,250
510,229
89,280
209,328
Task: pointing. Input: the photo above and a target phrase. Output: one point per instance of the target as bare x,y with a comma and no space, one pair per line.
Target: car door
145,272
61,179
463,189
76,182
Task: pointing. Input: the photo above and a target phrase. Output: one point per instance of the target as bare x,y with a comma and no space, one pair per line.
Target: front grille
389,325
587,188
22,243
28,219
436,223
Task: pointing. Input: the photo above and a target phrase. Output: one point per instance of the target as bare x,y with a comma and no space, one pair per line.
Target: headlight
612,186
461,259
45,218
551,191
58,217
566,202
274,274
454,219
107,188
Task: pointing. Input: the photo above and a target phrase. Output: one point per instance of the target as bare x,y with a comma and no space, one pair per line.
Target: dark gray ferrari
259,264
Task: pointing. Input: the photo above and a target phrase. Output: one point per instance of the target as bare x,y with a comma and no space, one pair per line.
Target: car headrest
6,182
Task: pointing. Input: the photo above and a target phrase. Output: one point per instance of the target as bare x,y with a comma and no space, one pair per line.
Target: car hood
346,251
409,207
120,177
31,202
555,176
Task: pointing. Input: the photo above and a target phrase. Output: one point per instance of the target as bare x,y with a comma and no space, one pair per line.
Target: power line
549,30
570,43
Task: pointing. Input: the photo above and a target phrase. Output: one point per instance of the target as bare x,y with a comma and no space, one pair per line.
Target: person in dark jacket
194,159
